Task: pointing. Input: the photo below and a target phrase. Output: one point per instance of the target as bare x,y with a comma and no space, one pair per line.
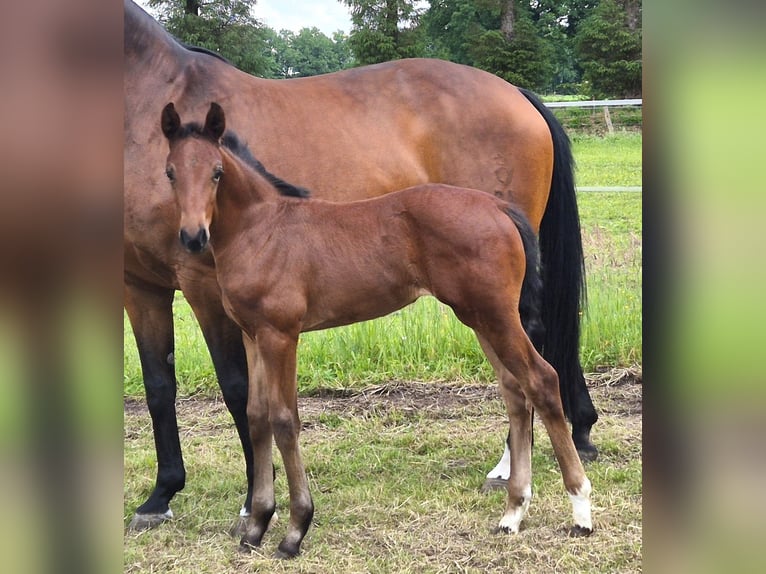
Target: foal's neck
241,190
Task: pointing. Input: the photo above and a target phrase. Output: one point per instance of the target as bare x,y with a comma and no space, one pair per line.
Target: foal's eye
217,173
171,175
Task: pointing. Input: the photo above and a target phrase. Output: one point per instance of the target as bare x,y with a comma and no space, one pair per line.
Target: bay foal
288,264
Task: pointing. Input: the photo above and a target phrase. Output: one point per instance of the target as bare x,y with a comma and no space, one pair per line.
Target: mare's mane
201,50
231,142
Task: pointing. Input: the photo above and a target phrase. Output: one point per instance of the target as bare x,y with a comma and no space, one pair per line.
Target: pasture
401,423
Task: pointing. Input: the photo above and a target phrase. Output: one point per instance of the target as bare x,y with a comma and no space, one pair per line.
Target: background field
401,423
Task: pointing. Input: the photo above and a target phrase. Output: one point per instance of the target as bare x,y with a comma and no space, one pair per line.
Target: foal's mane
231,142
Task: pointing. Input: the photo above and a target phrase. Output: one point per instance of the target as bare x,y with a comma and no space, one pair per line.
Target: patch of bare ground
616,391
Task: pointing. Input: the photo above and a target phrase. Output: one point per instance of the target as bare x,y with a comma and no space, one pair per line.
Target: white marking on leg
503,468
511,521
244,513
581,506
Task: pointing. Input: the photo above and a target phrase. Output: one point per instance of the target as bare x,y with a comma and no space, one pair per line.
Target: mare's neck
146,41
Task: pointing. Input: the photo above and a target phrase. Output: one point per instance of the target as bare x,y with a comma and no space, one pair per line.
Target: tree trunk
192,7
633,12
507,21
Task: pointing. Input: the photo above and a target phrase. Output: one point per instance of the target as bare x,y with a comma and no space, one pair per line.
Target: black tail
532,286
563,276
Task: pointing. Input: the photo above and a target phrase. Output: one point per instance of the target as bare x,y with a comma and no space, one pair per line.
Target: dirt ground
617,392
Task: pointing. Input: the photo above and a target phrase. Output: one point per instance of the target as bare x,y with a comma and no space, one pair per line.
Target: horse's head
194,167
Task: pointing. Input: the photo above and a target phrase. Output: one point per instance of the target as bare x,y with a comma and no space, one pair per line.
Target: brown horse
287,265
350,135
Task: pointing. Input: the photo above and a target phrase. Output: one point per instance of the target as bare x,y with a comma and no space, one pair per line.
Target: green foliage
227,27
307,53
385,30
524,61
224,26
610,52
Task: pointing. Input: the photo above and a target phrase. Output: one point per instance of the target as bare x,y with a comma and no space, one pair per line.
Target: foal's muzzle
194,243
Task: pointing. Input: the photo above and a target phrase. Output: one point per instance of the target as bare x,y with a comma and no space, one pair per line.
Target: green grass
396,481
608,161
425,342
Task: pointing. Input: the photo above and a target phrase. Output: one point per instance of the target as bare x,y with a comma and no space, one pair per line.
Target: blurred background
60,286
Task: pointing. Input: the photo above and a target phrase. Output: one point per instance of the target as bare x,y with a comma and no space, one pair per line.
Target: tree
498,36
608,45
310,52
224,26
384,30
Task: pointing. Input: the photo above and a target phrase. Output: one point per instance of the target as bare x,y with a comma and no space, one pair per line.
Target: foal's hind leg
519,482
539,382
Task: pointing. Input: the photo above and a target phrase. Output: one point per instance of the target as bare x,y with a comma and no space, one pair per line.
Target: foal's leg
497,478
263,503
278,351
151,316
539,383
224,341
519,480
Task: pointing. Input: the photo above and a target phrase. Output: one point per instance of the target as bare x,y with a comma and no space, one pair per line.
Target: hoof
286,551
494,484
143,522
239,527
580,532
245,548
588,452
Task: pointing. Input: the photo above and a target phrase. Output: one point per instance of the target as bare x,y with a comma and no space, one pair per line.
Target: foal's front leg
263,502
278,351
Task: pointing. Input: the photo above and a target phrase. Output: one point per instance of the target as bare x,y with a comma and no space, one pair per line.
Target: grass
395,474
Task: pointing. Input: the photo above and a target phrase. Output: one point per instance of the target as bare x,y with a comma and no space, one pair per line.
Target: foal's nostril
194,244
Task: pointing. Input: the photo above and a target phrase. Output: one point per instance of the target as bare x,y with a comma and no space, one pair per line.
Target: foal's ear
170,121
215,122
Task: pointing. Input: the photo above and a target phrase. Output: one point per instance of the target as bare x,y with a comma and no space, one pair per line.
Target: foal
290,264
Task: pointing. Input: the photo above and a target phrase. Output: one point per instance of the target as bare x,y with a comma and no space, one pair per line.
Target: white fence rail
629,189
596,103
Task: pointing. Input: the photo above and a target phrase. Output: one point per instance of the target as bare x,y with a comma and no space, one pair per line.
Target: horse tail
563,276
532,285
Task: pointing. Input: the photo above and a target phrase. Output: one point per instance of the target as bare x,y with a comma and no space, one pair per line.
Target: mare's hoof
588,452
579,532
239,527
494,484
143,522
286,551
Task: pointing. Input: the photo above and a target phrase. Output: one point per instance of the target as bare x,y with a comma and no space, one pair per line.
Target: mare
287,264
349,135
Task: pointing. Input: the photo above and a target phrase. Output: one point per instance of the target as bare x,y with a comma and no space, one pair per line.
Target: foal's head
194,168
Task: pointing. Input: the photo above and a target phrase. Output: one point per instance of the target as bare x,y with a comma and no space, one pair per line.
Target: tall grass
426,342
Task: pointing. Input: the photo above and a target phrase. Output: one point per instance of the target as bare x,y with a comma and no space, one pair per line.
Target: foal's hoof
494,484
141,522
580,531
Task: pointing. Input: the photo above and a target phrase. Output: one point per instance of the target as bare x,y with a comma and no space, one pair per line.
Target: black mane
231,142
201,50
